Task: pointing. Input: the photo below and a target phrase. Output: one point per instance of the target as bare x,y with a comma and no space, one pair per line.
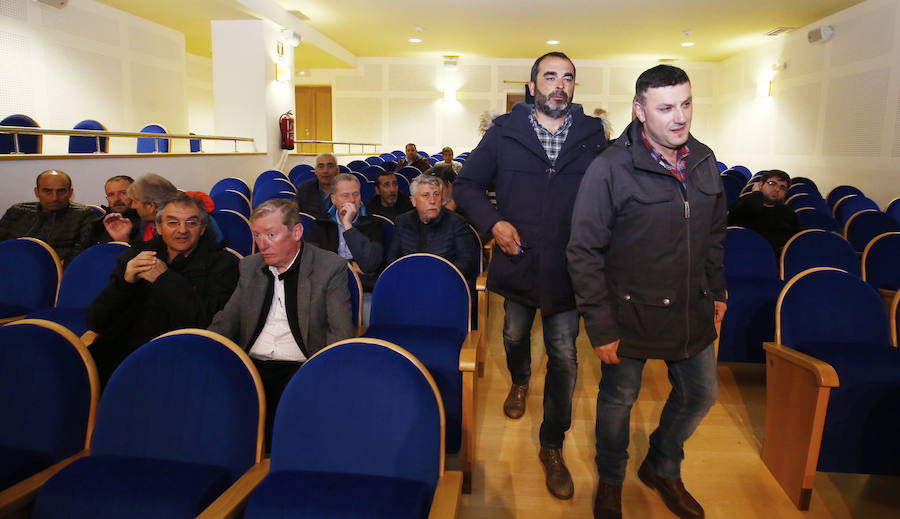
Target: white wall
393,101
834,114
90,61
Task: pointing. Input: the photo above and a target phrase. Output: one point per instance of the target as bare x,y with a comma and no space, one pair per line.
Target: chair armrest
469,351
446,500
11,319
21,495
89,337
481,282
231,503
824,374
359,331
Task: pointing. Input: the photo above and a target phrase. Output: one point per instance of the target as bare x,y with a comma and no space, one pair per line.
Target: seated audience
764,210
433,229
116,192
178,279
413,159
445,172
314,195
387,201
349,231
148,194
447,154
65,226
291,300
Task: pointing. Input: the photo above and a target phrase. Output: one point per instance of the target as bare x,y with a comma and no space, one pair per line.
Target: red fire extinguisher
286,123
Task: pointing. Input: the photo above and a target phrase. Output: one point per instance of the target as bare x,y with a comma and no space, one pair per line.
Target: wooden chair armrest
360,330
21,494
481,282
231,503
447,494
468,353
825,375
89,337
11,319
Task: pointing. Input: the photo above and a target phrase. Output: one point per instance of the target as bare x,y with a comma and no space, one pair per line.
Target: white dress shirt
275,341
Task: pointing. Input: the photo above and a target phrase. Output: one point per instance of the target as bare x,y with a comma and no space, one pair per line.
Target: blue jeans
693,393
560,331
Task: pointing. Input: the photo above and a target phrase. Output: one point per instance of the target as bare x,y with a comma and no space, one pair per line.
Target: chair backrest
805,181
150,144
27,143
398,154
50,390
357,165
354,285
721,166
812,218
881,261
893,209
409,172
389,165
400,296
343,169
387,230
88,274
423,154
301,173
87,144
30,272
806,200
371,172
188,395
374,160
747,254
479,247
236,229
99,211
387,157
732,186
849,205
825,305
233,183
330,420
840,192
817,248
275,188
307,220
266,177
196,145
865,225
894,317
744,170
233,200
366,190
402,185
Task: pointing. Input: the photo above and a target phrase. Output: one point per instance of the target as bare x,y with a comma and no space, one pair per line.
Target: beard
541,103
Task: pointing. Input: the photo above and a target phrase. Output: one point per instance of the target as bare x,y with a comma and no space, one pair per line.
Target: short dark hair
777,173
383,174
116,178
554,54
184,199
656,77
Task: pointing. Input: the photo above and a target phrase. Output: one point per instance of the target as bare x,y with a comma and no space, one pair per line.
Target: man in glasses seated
764,210
178,279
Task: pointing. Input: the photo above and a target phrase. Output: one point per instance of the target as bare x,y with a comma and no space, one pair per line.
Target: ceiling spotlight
290,37
687,44
415,40
552,42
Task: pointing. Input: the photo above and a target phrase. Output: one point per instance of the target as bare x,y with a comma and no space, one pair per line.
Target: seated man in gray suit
291,300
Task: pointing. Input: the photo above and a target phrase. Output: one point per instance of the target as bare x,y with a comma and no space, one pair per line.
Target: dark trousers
275,375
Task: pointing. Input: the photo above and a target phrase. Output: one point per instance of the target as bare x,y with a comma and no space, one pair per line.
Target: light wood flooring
722,468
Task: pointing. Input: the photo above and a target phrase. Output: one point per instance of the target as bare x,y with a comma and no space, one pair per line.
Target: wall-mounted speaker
820,34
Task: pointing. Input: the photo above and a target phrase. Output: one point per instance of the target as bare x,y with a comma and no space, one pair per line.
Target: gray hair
290,215
320,155
430,180
343,177
184,199
152,189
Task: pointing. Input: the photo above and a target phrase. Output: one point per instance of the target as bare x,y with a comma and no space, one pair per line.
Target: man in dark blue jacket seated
388,201
313,195
432,229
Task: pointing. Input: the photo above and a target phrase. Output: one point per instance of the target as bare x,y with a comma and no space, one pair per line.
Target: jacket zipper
687,307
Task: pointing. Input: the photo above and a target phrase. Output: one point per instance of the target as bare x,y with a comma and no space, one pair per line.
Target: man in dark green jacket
645,256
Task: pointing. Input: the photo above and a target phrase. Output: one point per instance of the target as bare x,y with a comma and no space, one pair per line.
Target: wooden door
313,109
512,99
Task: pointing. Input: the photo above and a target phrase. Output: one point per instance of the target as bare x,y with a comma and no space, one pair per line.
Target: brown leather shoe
673,493
559,481
514,405
608,501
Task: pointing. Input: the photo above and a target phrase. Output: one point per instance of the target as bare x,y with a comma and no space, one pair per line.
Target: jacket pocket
649,313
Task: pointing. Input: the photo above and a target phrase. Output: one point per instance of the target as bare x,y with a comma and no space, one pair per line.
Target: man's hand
720,310
507,237
346,214
140,264
155,271
607,352
117,226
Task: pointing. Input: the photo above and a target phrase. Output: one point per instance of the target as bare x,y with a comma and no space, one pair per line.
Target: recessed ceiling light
687,44
415,40
552,42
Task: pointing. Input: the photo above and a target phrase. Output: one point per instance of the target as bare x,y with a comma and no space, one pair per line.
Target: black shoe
673,493
608,501
559,481
514,405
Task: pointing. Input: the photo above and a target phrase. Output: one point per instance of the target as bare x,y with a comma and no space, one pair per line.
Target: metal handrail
27,130
362,145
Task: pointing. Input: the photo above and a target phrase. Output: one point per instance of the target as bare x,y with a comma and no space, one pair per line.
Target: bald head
52,173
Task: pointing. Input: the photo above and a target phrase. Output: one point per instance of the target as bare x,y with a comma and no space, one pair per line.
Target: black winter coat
447,236
645,254
535,196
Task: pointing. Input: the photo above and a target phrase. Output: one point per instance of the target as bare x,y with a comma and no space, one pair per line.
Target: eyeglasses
780,187
175,224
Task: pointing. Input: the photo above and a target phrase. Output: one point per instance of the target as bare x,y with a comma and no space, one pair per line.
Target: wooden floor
722,468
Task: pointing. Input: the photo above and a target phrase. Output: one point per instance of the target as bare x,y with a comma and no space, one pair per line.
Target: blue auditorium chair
236,229
744,170
817,248
87,144
27,143
813,200
398,154
865,225
374,160
30,272
180,420
807,182
357,165
432,161
894,317
832,389
388,157
343,169
301,173
840,192
371,172
50,390
849,205
274,188
409,172
354,286
233,183
893,209
732,186
812,218
437,330
233,200
306,220
196,145
267,176
150,144
389,165
387,229
342,450
751,276
82,281
800,187
721,166
366,190
881,264
402,185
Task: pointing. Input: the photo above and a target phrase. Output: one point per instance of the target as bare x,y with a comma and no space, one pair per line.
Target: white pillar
248,99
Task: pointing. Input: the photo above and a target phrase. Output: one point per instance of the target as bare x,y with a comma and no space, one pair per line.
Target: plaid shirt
552,142
679,169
